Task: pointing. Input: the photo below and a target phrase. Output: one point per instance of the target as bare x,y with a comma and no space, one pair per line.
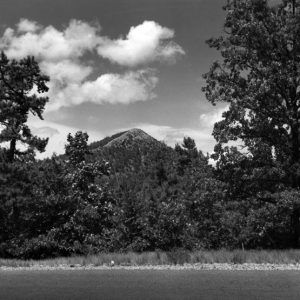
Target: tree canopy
259,77
20,83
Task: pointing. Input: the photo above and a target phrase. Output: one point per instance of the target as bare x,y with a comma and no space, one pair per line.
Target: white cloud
108,88
66,71
61,56
48,43
27,26
144,43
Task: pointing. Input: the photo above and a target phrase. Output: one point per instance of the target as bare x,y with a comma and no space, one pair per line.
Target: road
149,284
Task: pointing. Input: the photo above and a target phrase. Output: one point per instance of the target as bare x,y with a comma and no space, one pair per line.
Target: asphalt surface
148,284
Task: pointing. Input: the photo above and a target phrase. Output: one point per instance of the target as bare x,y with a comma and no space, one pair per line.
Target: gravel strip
199,266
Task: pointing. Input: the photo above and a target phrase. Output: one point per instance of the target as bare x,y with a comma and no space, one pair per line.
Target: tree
18,80
259,76
188,154
77,148
88,211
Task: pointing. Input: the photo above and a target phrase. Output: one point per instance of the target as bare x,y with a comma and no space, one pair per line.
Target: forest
142,195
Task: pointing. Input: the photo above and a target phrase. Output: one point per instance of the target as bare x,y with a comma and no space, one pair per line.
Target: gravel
215,266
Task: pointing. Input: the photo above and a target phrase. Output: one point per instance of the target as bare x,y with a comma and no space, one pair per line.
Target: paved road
145,284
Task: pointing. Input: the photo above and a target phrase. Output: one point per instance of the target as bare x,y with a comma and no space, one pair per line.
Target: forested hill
133,149
103,142
124,138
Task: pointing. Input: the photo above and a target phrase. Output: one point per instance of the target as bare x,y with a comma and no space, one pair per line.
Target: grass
178,257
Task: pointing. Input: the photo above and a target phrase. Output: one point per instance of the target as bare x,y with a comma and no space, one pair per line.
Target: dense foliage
140,194
259,78
17,81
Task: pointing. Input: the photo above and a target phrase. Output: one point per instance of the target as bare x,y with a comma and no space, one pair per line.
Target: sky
119,64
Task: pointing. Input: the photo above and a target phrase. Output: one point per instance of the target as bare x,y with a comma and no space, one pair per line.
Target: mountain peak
136,131
131,136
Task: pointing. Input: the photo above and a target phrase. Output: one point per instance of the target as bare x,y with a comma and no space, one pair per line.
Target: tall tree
90,208
259,76
18,80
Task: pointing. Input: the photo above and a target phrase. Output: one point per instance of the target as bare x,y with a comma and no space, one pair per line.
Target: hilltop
125,138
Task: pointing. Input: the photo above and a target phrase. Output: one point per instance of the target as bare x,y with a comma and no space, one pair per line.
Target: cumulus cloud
108,88
49,43
61,56
66,71
144,43
27,26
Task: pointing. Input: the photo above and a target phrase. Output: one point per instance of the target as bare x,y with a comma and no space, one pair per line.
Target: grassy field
157,258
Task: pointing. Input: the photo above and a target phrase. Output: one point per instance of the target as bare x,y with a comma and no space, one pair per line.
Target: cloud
48,43
108,88
144,43
61,56
27,26
65,72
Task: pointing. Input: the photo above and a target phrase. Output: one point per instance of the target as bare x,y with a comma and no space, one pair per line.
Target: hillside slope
124,139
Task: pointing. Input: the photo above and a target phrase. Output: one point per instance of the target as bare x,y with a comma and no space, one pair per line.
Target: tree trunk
12,150
295,144
295,184
296,227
